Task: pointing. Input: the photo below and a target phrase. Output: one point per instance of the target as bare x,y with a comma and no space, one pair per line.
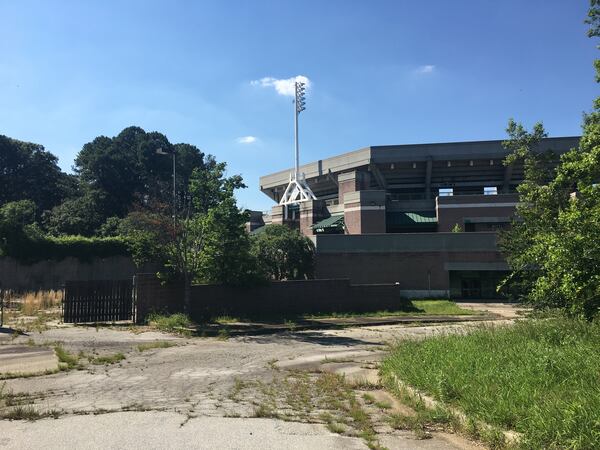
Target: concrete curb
512,437
325,324
20,360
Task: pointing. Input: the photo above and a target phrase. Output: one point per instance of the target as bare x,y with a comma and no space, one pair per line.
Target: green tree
553,248
82,215
226,257
209,186
185,251
29,172
207,243
128,170
17,223
147,233
283,254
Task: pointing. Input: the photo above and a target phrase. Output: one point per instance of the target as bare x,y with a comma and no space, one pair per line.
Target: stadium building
424,216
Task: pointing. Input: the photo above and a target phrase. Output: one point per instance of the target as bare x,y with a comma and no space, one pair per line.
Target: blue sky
205,72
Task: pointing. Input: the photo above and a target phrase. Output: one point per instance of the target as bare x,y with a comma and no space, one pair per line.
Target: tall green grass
173,323
540,378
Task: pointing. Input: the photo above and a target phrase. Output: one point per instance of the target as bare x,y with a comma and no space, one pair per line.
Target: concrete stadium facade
391,214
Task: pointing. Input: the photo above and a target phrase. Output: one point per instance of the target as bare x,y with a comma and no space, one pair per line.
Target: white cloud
246,140
429,68
282,86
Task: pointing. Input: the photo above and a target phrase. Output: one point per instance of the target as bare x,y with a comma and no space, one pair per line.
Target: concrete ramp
25,360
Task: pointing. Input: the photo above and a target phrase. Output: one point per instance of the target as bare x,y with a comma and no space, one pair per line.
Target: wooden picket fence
98,301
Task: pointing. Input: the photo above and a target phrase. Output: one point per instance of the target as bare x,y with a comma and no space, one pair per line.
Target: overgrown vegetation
283,253
70,361
325,398
414,307
32,302
538,378
107,359
553,247
31,310
173,323
19,406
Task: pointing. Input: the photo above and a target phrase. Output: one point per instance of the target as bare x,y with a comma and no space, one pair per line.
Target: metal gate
98,301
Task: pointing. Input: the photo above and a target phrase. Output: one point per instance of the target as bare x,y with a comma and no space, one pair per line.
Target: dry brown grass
31,303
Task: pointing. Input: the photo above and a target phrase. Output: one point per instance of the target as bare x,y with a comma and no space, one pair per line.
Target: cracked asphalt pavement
188,395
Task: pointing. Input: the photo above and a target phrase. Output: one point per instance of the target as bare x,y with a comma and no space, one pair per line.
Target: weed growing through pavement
318,398
174,323
107,359
68,360
19,406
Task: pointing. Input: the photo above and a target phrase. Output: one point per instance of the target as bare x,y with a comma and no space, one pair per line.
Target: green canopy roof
411,218
259,230
333,222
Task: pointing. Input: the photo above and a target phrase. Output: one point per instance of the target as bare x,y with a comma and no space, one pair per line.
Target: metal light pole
300,102
297,190
160,151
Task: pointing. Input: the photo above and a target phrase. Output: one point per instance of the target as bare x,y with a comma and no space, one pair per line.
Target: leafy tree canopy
29,172
283,253
553,249
128,169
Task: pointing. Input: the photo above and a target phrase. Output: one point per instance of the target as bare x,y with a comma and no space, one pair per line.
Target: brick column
351,182
278,217
310,213
364,212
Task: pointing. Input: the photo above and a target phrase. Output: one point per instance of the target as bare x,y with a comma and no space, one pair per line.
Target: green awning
259,230
335,222
411,218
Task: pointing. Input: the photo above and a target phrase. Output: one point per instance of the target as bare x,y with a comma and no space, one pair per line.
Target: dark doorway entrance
475,284
470,288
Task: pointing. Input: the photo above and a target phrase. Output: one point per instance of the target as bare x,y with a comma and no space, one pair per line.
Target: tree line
121,191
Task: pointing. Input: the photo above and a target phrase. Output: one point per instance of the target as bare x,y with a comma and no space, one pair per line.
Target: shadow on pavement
310,337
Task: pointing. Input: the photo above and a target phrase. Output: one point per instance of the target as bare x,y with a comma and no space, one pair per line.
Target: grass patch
442,307
226,319
383,405
368,398
22,413
156,344
335,427
265,411
413,308
69,360
108,359
20,406
539,378
174,323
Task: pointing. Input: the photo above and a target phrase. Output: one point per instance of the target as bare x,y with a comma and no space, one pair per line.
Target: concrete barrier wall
53,274
418,271
275,299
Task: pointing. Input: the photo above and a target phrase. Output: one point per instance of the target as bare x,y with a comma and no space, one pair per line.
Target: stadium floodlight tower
297,190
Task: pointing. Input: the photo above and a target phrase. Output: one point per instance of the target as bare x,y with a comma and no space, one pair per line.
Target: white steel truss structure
297,190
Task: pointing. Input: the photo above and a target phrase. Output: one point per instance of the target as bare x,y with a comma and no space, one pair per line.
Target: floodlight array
300,96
